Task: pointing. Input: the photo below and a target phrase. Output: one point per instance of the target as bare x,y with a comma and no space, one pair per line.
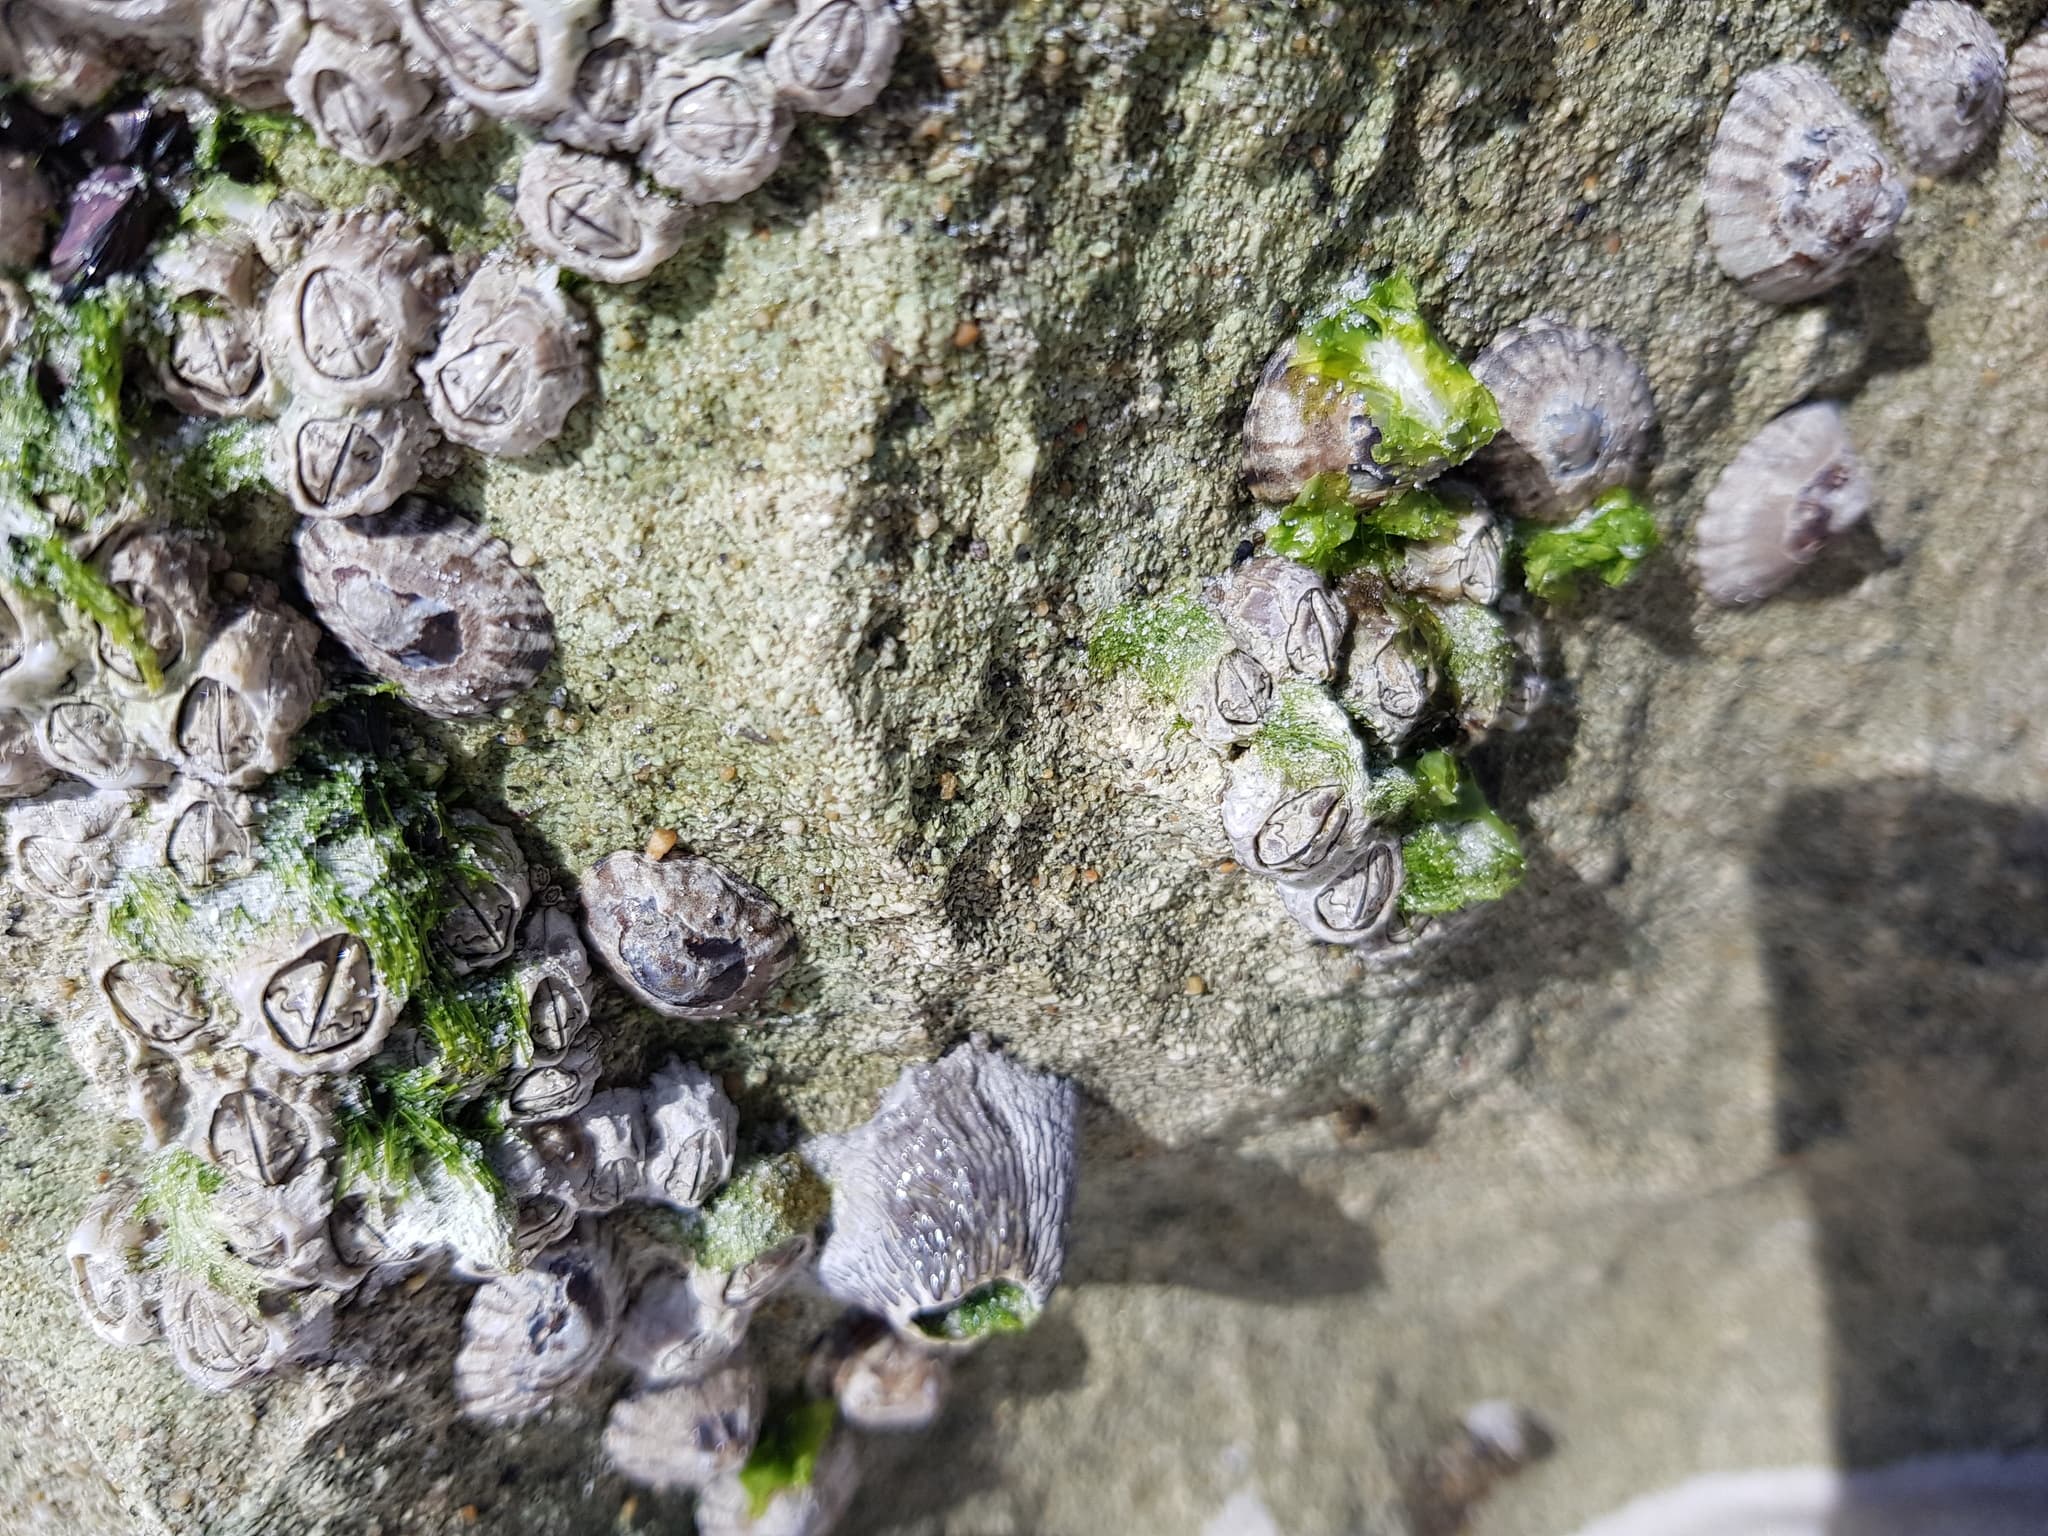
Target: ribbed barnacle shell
1797,190
675,1333
22,769
59,68
376,1250
689,939
37,649
544,1205
1946,69
313,1000
25,208
256,1123
715,130
247,48
214,364
2027,85
1357,906
1299,427
530,1336
220,1342
253,688
204,835
428,600
282,1230
361,98
150,19
692,1129
551,971
487,899
335,462
1793,487
881,1380
606,113
1576,418
835,56
86,736
962,1180
725,1508
346,322
156,1005
1294,833
508,58
700,29
513,361
591,215
1282,614
63,846
684,1436
115,1291
1466,566
1388,679
550,1089
168,575
1227,699
615,1129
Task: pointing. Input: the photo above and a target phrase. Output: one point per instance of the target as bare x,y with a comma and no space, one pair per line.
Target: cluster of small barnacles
646,109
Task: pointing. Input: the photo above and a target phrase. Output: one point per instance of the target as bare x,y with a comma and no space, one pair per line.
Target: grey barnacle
1227,699
1576,418
551,971
158,1006
361,98
542,1186
1946,69
1794,486
700,29
512,363
168,575
592,216
25,208
253,688
1358,906
64,844
346,322
487,897
1296,834
115,1290
222,1341
204,836
835,56
252,1122
87,737
214,364
510,58
692,1129
22,769
60,69
1282,614
686,937
674,1332
313,1001
727,1508
686,1435
532,1335
1466,566
37,649
149,19
715,131
1299,427
282,1230
1388,679
880,1379
427,600
962,1181
247,48
615,1131
350,463
1797,191
558,1086
2027,88
606,112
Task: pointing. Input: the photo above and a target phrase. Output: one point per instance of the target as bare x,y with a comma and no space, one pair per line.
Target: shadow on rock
1907,937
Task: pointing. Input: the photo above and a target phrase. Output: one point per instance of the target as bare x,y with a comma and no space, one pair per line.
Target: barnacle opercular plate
698,29
551,971
115,1291
335,462
361,98
253,688
550,1089
592,216
606,111
154,1003
222,1341
835,56
63,845
313,1001
347,320
715,131
512,361
167,575
487,896
686,937
1282,614
511,58
692,1130
247,48
1358,906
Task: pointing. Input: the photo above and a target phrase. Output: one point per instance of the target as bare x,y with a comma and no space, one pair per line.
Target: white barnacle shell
1946,69
149,19
247,48
252,690
313,1000
204,835
373,1247
214,364
282,1231
544,1196
59,68
513,361
558,1086
551,971
1793,487
347,320
606,113
1299,426
692,1128
25,208
87,737
686,1435
158,1006
1388,679
675,1332
17,317
252,1122
1465,566
835,56
1576,418
362,98
168,575
335,462
592,216
22,769
37,649
962,1180
530,1336
487,898
699,29
115,1290
882,1380
1358,906
508,58
1797,190
1282,614
689,939
1227,699
426,599
615,1130
726,1508
64,844
2027,86
222,1341
1294,833
715,130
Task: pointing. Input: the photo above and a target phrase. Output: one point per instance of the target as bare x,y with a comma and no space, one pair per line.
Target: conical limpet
1946,68
686,937
1576,418
1794,486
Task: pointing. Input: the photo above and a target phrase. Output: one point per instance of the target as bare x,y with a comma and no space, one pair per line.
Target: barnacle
1466,565
798,1481
674,1332
697,29
487,895
221,1341
63,845
552,1088
247,48
1794,486
350,463
127,18
1295,833
166,577
115,1290
835,56
615,1131
1576,418
22,769
204,835
1282,615
531,1335
253,689
605,112
86,736
686,937
511,58
589,214
214,363
715,131
688,1434
159,1005
1357,905
512,361
347,320
61,69
313,1001
551,973
1228,699
880,1379
1946,69
361,98
692,1129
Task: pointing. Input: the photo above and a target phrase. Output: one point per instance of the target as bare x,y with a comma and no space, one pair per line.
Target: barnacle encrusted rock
689,939
512,361
362,98
592,216
959,1186
715,130
1946,70
1794,487
1576,418
531,1335
342,463
346,322
688,1434
835,56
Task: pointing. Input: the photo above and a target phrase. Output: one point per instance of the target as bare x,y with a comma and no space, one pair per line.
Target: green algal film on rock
1463,853
1477,654
764,1205
1610,540
1430,410
786,1455
177,1198
1000,1307
1160,640
74,448
44,564
1321,528
1308,740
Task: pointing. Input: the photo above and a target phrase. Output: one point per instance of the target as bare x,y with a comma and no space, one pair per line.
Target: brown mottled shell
513,361
2027,85
591,215
168,575
25,208
509,58
1946,68
1299,427
530,1336
1282,614
835,57
427,600
64,845
715,130
689,939
361,98
252,689
689,30
1358,906
684,1436
115,1290
1794,486
346,322
1576,418
247,48
334,462
313,1001
1797,190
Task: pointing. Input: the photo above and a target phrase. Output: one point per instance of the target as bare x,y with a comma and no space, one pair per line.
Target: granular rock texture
1716,1145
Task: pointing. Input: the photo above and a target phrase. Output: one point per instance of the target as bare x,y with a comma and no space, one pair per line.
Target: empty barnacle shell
253,688
350,463
835,56
362,99
1576,418
880,1379
205,835
22,769
221,1341
699,29
727,1508
1358,906
512,362
1793,487
247,48
1466,566
313,1001
551,971
592,216
347,320
25,209
959,1187
509,58
428,600
692,1129
161,1006
64,844
2027,85
115,1290
715,130
1299,427
1294,833
1946,69
37,649
58,68
158,1100
1227,699
606,111
1797,190
214,363
1282,614
615,1129
167,575
687,938
487,898
532,1335
86,737
675,1332
685,1435
550,1089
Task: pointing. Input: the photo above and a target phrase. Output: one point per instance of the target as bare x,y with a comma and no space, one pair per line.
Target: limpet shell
1299,427
1794,486
715,131
530,1336
835,56
689,939
592,216
513,361
1946,69
1576,418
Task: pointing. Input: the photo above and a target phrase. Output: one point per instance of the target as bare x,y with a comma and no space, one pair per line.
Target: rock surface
1717,1146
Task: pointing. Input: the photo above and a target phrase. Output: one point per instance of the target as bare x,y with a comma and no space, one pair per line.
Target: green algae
1308,740
178,1191
786,1455
1323,530
999,1307
1162,641
42,563
1610,540
765,1204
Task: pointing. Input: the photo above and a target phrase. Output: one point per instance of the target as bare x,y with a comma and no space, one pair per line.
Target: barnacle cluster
1393,616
